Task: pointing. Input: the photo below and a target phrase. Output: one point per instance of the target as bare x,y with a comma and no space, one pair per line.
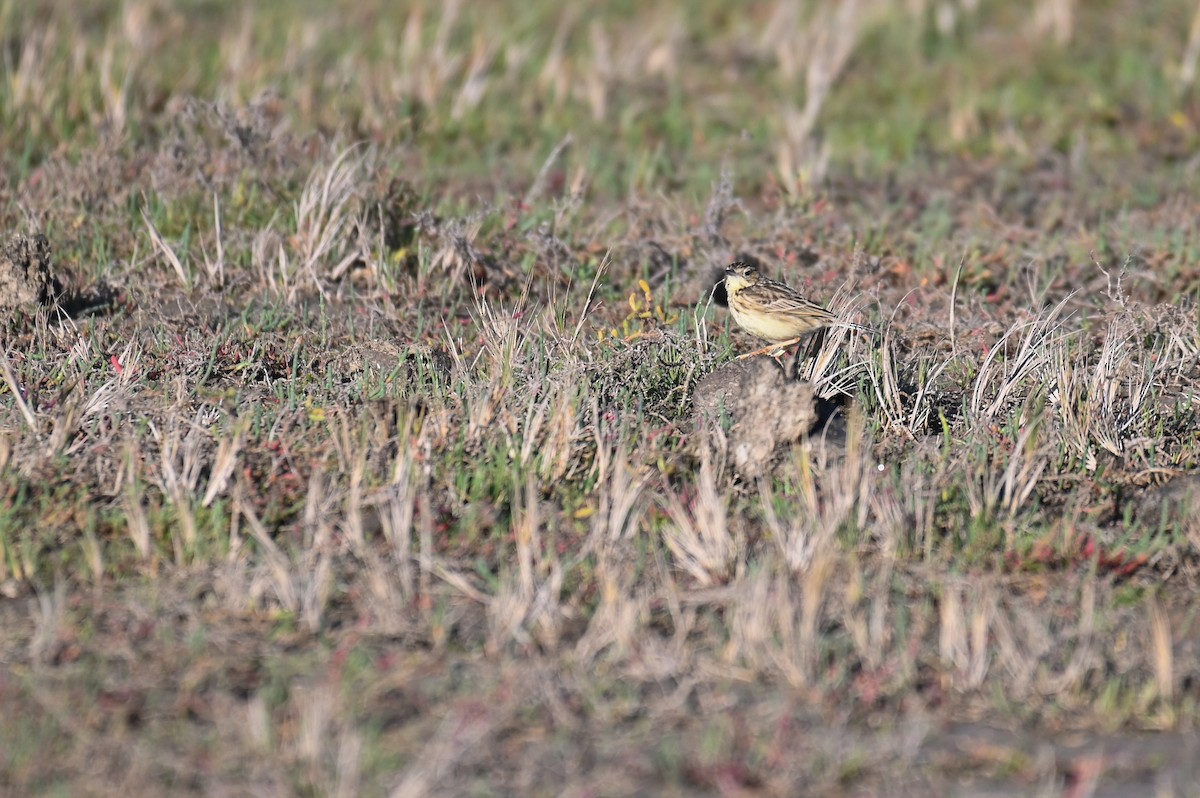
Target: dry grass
373,468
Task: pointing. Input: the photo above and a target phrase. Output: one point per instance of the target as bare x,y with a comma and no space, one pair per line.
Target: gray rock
765,410
1175,504
26,275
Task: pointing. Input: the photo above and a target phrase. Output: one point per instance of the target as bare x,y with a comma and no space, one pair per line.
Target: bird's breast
768,326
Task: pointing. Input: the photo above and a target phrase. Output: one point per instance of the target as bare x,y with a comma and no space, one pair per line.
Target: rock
26,276
419,366
1175,504
766,409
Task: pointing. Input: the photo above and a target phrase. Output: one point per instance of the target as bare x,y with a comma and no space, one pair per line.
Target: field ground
369,424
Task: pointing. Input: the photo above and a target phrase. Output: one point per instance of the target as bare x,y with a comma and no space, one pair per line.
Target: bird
774,311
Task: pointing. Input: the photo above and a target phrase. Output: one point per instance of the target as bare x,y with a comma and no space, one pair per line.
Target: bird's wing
778,298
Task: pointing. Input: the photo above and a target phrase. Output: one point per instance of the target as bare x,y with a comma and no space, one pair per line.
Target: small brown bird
773,311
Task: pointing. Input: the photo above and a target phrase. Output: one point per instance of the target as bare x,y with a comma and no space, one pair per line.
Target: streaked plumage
772,311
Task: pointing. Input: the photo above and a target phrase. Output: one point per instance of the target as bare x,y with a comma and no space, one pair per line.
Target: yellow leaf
584,512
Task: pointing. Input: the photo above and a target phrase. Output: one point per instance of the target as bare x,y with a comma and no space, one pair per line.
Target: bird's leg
770,348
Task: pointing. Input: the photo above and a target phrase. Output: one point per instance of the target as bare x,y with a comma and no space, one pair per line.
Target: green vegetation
381,439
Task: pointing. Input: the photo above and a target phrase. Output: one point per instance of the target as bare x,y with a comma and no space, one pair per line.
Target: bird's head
739,268
738,275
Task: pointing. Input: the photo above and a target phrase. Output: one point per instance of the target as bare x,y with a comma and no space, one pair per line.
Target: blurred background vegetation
653,96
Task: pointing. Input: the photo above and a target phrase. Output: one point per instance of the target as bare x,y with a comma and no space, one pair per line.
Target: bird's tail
849,325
